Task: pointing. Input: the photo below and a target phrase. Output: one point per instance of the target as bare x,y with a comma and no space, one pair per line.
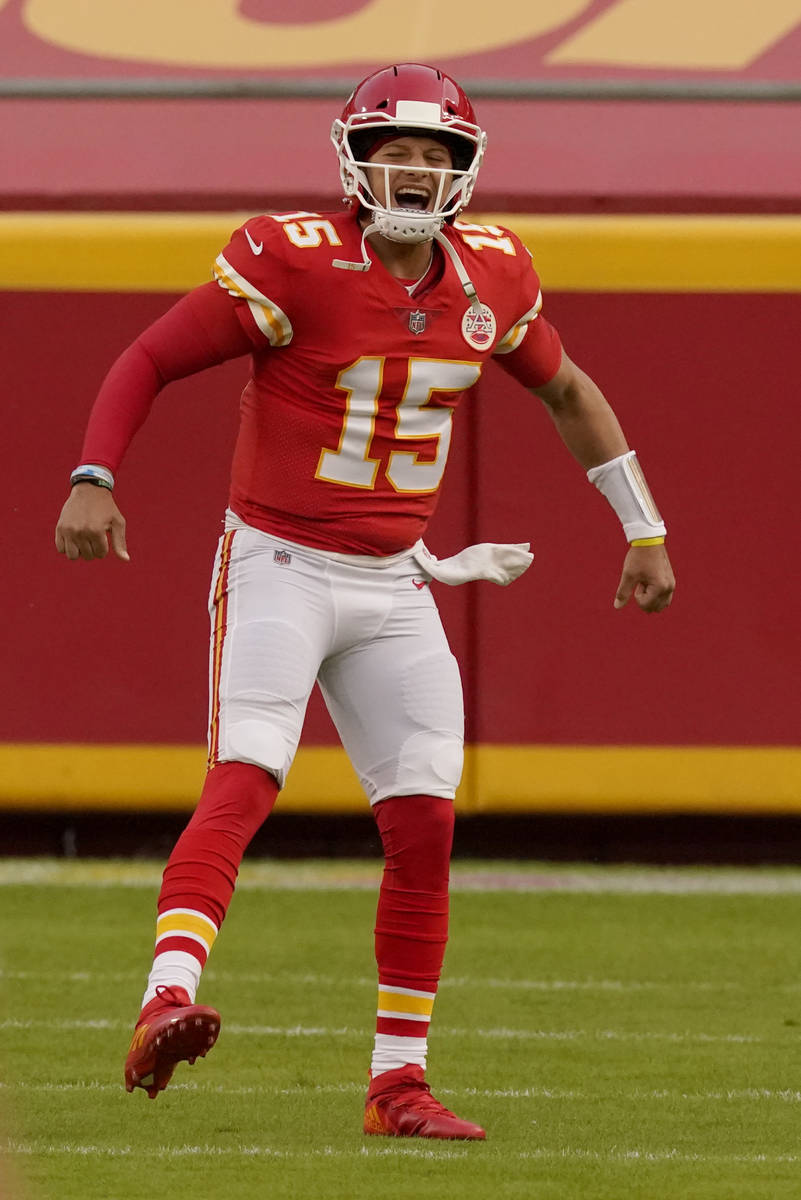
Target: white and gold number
351,464
311,233
485,237
417,420
305,229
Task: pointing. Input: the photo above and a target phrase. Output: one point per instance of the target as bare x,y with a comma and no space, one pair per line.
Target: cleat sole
180,1038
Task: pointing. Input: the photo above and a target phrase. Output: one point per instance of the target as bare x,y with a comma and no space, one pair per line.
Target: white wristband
622,482
91,473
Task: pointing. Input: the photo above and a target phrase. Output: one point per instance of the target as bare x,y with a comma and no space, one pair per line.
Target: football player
365,327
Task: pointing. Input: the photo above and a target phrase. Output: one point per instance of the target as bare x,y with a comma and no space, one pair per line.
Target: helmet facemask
356,138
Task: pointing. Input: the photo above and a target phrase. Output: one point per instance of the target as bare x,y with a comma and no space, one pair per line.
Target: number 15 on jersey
351,463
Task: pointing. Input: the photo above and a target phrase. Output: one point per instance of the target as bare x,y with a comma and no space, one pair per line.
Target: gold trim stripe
270,318
760,780
220,619
187,922
512,340
169,252
396,1004
514,337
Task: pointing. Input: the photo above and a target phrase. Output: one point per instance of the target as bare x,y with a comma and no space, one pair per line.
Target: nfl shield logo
417,321
282,557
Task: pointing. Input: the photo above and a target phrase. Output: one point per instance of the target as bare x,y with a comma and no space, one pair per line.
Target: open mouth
412,199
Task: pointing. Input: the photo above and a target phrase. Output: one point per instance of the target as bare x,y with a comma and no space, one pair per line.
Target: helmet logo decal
479,329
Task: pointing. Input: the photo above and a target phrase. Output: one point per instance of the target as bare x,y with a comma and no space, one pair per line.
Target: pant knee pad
259,743
429,763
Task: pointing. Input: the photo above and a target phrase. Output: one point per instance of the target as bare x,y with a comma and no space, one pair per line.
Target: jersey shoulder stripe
511,340
269,316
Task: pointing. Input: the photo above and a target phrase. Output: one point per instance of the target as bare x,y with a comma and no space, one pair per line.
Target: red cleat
170,1029
399,1104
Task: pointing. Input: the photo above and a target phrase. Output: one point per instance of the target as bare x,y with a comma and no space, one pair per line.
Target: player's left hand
648,576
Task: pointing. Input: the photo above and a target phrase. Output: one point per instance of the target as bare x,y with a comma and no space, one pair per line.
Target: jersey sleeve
531,350
252,269
198,332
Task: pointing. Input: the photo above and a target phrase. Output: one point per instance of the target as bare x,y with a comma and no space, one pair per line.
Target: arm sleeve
531,350
536,356
200,331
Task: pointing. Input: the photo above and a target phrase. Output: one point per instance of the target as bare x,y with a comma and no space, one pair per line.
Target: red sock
411,924
200,875
201,872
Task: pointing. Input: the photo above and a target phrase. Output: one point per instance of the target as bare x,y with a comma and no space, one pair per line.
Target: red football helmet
404,100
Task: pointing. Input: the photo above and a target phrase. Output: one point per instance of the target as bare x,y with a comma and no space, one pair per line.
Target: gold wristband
654,541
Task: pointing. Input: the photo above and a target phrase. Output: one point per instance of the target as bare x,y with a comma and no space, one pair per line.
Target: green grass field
620,1033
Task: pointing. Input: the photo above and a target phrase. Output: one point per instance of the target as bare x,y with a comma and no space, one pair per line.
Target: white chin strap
437,235
409,227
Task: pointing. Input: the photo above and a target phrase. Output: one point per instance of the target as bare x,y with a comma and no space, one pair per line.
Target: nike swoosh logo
255,247
419,583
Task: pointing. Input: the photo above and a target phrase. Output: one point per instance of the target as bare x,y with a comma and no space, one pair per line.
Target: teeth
411,198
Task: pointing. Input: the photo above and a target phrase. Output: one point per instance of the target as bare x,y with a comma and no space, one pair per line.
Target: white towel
498,562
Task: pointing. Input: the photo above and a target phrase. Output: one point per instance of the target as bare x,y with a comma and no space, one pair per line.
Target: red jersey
347,419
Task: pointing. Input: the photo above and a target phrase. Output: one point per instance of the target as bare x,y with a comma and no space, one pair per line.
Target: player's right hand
90,520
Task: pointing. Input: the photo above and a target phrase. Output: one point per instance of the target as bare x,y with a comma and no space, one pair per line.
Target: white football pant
368,630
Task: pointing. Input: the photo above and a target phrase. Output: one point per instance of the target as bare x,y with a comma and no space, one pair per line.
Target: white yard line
639,1155
726,1096
485,877
404,1150
351,1032
37,1149
313,979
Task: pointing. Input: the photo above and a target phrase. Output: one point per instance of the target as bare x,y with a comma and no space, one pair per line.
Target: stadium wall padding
689,324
